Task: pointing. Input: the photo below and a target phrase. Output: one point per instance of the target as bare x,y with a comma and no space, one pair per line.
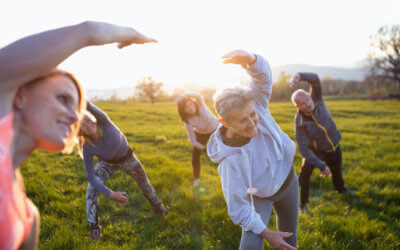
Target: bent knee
251,241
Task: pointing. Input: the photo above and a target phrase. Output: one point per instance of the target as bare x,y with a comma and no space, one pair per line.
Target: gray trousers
286,206
104,170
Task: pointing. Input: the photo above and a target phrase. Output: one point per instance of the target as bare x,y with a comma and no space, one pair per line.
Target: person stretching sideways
317,137
40,108
200,123
255,159
100,137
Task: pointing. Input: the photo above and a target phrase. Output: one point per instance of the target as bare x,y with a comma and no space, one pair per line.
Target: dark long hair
181,108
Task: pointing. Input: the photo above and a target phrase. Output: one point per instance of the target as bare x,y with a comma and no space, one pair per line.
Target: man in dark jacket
317,137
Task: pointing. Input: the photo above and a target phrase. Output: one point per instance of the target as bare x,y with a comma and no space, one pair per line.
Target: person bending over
255,159
40,108
101,138
200,123
317,137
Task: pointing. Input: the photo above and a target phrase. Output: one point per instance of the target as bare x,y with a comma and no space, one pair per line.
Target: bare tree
148,87
384,60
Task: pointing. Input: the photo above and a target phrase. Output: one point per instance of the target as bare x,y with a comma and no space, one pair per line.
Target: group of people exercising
43,107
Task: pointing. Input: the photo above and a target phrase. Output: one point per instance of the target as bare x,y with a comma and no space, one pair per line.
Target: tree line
382,81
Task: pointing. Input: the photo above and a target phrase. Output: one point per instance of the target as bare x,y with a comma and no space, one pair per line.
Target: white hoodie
261,166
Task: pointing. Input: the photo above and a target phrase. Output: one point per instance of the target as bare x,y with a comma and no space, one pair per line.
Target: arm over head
36,55
313,80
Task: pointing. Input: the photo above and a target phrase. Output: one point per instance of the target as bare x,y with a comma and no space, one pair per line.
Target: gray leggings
104,170
286,205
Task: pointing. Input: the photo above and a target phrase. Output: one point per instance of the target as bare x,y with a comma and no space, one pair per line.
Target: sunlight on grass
198,220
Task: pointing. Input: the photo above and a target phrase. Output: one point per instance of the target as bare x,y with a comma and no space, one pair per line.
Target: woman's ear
19,99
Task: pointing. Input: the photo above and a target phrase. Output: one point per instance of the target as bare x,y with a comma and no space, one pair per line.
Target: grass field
198,220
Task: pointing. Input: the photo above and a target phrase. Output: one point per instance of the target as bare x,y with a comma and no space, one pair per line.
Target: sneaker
196,182
96,232
160,209
304,208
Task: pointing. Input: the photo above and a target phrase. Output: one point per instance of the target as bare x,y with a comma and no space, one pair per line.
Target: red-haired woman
40,108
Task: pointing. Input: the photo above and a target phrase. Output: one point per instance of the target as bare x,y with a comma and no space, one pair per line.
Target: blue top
111,146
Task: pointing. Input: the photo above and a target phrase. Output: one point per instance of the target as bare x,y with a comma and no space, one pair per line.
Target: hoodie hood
217,150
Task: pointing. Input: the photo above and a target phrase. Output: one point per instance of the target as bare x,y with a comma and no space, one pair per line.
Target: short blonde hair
296,93
228,99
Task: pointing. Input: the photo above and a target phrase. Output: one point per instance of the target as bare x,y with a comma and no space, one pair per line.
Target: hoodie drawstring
248,170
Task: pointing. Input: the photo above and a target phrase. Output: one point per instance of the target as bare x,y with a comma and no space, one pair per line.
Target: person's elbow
239,215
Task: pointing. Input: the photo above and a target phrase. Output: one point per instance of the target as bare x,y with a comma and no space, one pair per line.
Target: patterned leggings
104,170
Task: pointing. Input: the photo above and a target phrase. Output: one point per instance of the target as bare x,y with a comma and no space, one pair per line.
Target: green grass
198,220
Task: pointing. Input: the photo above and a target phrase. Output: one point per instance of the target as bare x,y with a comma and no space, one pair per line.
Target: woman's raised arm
35,55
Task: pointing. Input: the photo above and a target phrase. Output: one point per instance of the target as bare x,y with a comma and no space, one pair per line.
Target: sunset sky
193,35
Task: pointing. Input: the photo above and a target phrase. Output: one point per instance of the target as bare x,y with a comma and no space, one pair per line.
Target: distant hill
105,94
351,71
344,72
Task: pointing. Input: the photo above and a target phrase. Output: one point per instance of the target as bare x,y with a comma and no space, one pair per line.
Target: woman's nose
73,116
252,123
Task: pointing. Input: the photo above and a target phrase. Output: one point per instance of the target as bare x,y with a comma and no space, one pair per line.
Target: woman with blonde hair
40,108
255,159
100,137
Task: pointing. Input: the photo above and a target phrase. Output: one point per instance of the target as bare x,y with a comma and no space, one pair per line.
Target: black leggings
203,139
334,162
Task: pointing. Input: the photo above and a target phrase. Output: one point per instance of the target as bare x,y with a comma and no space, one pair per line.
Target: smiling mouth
65,128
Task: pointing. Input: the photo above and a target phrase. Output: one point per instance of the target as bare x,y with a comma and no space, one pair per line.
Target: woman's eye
63,99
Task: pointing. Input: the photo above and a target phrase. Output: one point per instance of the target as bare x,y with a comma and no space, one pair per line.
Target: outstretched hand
295,80
275,238
118,197
239,57
104,33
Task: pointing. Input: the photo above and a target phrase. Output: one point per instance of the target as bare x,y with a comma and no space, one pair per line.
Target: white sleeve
235,192
261,80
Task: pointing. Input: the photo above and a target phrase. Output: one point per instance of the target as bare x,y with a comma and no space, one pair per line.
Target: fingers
136,37
120,198
138,41
285,234
295,80
229,54
123,199
239,57
231,57
226,61
287,246
283,244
